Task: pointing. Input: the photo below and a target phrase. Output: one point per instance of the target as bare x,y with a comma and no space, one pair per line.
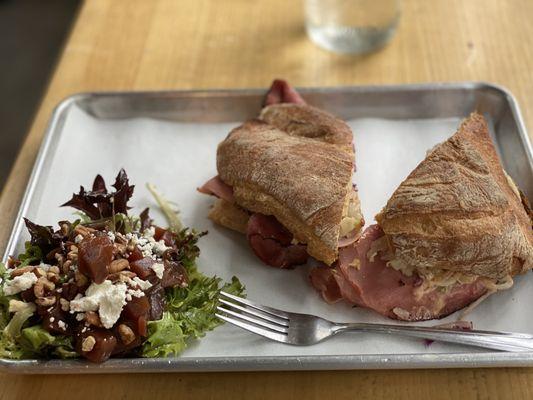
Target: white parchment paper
179,157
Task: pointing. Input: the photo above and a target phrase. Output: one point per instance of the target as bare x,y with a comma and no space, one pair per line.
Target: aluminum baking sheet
170,139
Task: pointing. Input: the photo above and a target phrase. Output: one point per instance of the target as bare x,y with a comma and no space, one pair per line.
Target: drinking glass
351,26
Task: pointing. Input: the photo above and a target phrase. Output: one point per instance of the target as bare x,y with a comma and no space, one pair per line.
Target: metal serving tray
103,127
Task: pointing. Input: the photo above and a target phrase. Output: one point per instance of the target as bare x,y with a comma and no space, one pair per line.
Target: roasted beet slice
156,297
28,295
94,255
159,232
167,238
101,345
142,326
174,275
135,255
54,319
136,312
69,290
143,267
165,235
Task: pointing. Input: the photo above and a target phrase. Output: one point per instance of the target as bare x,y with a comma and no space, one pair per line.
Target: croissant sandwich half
285,180
455,231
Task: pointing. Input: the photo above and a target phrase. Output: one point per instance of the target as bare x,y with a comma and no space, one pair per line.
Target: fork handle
486,339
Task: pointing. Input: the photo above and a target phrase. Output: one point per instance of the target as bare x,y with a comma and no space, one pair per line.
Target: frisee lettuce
32,254
168,208
18,341
190,314
190,311
35,339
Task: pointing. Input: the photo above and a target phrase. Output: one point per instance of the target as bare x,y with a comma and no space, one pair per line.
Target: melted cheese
352,217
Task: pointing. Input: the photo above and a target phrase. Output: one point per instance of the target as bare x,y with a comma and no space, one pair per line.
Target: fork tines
264,321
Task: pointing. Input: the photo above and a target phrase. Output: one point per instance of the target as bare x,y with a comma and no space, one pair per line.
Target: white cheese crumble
19,283
61,325
78,239
133,293
143,285
147,244
45,267
149,232
111,236
159,248
80,316
159,269
106,298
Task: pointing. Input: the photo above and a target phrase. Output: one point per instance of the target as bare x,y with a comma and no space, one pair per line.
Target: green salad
108,284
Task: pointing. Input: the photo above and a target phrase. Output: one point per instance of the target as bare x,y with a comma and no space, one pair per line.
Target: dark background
32,33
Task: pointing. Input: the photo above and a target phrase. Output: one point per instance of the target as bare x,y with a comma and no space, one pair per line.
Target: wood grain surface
184,44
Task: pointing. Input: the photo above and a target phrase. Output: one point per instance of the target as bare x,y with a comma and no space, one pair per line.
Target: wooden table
184,44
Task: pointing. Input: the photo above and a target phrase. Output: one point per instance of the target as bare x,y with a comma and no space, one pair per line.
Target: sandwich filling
432,278
272,243
363,276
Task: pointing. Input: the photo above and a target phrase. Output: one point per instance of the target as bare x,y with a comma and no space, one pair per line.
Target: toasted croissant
295,163
458,210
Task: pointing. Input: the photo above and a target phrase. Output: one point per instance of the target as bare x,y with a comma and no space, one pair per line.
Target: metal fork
304,329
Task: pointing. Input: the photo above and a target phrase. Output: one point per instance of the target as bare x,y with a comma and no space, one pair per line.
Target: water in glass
351,26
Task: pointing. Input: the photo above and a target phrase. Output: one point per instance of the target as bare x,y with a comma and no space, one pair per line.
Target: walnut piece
126,334
88,344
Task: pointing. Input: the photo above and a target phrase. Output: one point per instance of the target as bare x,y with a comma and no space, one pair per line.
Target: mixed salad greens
107,284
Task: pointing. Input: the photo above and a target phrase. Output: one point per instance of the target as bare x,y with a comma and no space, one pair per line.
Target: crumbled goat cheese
159,248
146,246
17,305
45,267
111,236
19,283
143,285
106,298
149,232
80,316
61,325
159,269
52,319
134,293
78,239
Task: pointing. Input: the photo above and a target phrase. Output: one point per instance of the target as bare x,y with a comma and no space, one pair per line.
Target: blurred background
32,33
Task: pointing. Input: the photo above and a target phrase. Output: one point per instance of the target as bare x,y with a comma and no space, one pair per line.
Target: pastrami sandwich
285,180
454,232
